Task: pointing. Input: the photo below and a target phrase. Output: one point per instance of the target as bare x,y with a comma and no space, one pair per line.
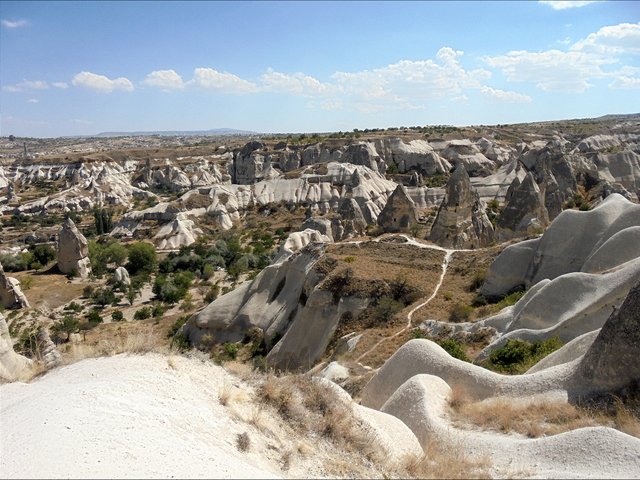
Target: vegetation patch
518,356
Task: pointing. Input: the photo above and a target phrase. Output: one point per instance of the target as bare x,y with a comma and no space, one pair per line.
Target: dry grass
229,394
314,411
243,441
439,462
536,418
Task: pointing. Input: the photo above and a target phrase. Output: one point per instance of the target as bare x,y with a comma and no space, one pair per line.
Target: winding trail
448,253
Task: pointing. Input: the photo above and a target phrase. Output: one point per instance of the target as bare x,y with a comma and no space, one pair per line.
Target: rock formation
611,363
461,221
121,276
11,295
73,250
49,354
351,222
524,212
590,242
12,365
399,214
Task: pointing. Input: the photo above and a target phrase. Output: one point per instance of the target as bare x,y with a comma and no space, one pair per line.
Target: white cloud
410,82
61,85
14,23
552,70
26,85
626,78
101,83
33,100
296,84
165,79
612,39
505,96
224,82
565,4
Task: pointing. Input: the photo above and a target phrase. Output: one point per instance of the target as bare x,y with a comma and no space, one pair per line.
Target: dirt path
445,263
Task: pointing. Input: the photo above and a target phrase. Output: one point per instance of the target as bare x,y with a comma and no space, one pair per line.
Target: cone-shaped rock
351,218
399,213
462,221
525,211
73,250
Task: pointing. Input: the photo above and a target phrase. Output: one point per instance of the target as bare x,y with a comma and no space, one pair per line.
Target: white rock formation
11,296
567,246
12,366
73,250
120,275
178,233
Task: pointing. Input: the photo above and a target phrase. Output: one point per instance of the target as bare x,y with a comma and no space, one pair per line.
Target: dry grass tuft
536,418
314,411
439,462
229,394
243,442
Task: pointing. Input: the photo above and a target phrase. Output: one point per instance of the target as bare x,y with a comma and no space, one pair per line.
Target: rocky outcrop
49,354
288,305
178,233
11,295
73,251
524,212
121,276
399,214
461,221
553,173
351,222
417,155
12,366
611,363
575,241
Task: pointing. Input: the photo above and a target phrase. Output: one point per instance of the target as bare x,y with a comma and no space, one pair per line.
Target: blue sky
77,68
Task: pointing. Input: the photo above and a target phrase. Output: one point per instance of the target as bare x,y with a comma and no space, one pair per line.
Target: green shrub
43,254
212,294
517,356
117,316
158,310
142,258
231,350
68,325
477,281
142,313
511,299
74,307
104,296
386,308
454,348
94,317
177,325
350,259
460,313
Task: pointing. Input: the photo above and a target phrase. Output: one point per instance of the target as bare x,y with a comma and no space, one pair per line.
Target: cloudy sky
77,68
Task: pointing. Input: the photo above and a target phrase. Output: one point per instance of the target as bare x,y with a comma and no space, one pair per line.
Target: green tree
68,325
142,258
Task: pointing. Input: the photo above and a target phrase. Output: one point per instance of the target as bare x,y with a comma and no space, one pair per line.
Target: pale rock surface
11,295
399,214
496,185
595,452
49,354
12,365
148,415
178,233
120,275
461,221
73,250
566,246
297,241
524,212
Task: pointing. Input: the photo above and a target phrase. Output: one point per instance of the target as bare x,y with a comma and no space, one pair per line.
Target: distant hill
177,133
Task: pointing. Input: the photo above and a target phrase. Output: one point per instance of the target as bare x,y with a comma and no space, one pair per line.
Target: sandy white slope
124,416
